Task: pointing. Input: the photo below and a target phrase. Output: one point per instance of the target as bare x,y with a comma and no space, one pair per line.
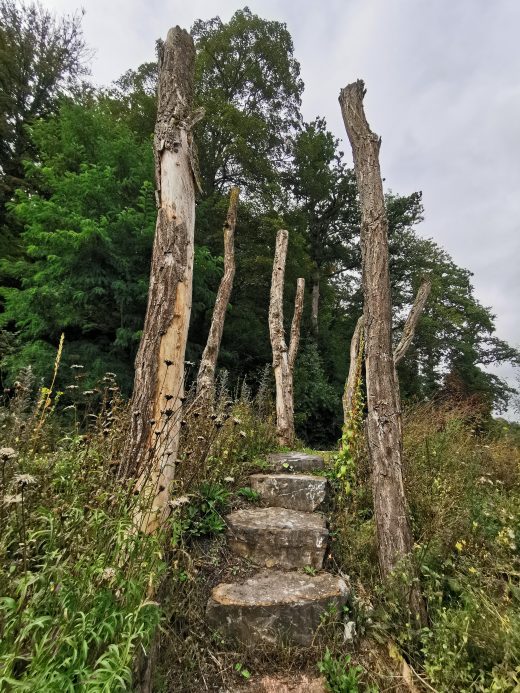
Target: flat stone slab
278,537
274,607
297,684
295,462
294,491
275,683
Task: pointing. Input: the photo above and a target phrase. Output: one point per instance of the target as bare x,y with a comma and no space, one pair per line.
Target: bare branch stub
411,321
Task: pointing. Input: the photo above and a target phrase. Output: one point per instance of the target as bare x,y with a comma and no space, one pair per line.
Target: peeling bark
283,357
353,372
208,364
411,321
394,535
159,367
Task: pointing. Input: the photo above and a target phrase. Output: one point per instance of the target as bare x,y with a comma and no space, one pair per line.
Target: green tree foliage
133,98
41,57
248,83
318,403
455,338
325,196
87,240
89,221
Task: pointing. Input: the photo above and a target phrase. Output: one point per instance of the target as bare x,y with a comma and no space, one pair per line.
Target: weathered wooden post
208,363
283,357
394,535
400,351
159,367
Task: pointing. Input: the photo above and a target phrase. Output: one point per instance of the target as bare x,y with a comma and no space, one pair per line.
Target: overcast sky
443,81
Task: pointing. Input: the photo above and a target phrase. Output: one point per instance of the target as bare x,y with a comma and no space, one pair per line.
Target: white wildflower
24,480
7,454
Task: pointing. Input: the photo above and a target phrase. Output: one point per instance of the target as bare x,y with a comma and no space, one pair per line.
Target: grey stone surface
277,683
274,606
295,491
278,537
295,462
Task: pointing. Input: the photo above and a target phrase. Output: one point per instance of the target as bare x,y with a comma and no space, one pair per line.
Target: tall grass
81,592
462,477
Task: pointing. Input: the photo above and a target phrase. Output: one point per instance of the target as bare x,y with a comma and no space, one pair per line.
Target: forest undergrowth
84,599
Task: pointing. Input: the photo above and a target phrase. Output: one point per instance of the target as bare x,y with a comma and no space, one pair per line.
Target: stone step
275,607
278,537
294,491
290,462
295,683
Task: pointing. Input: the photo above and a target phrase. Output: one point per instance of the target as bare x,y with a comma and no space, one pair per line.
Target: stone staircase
282,602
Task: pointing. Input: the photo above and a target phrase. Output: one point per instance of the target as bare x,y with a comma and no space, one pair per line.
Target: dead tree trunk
159,367
208,364
283,357
399,352
353,372
394,535
411,321
315,302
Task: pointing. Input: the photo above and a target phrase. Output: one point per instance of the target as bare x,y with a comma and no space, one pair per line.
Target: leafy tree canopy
42,56
249,85
87,211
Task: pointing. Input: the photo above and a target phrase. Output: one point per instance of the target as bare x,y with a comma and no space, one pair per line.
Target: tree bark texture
159,367
354,372
296,322
315,302
283,357
208,364
411,321
394,535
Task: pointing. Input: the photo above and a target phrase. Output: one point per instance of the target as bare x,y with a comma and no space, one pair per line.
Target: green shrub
340,675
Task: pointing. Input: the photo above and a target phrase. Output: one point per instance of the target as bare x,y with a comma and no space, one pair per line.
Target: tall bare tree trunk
353,372
394,535
208,364
159,368
283,357
315,302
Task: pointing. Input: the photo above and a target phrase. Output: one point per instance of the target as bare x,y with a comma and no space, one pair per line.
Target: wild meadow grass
86,601
79,587
462,477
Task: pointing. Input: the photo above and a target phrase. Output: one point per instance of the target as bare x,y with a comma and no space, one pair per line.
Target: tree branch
351,382
296,322
412,320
